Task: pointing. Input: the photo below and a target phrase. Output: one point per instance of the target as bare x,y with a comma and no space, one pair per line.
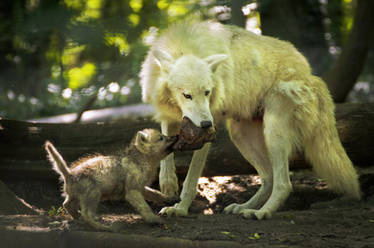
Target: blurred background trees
57,56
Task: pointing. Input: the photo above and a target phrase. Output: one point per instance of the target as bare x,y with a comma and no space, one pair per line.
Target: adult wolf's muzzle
192,137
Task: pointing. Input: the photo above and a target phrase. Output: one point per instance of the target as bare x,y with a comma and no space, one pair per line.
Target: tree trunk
22,154
237,16
345,71
299,22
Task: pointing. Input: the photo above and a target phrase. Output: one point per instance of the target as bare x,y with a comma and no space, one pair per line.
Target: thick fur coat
263,89
118,176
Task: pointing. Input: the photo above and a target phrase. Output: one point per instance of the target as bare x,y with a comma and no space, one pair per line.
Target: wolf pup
263,89
122,176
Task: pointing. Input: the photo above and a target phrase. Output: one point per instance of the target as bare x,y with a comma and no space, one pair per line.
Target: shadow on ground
311,217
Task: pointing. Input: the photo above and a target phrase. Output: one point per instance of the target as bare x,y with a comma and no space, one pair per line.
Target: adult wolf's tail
325,151
330,162
59,164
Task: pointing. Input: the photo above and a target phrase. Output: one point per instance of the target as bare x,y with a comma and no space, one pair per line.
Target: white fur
244,74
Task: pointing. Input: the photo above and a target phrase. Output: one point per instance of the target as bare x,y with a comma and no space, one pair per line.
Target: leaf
255,236
52,211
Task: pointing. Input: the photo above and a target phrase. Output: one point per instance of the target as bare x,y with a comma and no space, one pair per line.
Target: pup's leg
88,211
168,178
157,197
249,138
136,199
71,205
190,184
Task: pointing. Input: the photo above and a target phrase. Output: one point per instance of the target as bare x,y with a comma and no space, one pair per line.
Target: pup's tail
59,164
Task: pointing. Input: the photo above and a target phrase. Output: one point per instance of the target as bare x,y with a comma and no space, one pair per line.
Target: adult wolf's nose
206,124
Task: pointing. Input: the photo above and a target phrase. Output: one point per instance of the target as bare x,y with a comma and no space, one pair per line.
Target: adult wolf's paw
175,210
169,185
256,214
233,208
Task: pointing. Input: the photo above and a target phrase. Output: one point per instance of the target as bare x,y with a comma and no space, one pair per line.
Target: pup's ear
214,60
163,59
141,138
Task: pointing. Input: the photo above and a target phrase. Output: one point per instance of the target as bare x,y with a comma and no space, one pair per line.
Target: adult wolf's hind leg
248,137
167,177
280,138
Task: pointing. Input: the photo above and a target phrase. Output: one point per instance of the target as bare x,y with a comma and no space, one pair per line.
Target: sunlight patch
209,188
79,77
67,93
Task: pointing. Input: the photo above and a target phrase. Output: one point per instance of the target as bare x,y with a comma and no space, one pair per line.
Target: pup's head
190,82
152,143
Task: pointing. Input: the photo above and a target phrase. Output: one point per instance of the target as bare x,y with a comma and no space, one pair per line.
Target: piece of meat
191,137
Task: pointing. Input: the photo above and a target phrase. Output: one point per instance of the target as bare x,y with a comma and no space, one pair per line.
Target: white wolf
264,90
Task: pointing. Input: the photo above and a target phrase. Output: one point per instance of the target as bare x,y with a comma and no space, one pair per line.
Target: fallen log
22,154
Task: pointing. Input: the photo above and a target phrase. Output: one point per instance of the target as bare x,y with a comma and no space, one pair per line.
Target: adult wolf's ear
214,60
163,59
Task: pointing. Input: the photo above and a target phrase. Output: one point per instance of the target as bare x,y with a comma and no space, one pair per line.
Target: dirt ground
311,217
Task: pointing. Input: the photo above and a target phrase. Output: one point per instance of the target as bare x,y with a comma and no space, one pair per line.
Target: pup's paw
256,214
233,208
175,210
169,185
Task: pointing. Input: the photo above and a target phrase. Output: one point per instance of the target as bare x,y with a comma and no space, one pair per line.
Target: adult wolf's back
210,72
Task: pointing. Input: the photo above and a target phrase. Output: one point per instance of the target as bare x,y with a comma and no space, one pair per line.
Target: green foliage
53,211
59,53
340,19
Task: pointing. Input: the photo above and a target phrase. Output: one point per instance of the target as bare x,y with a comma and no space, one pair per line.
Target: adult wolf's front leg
190,184
167,177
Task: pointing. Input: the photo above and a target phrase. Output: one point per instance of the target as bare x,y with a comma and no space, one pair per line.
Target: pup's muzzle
171,140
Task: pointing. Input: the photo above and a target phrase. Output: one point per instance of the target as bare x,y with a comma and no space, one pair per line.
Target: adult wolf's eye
188,96
207,92
161,138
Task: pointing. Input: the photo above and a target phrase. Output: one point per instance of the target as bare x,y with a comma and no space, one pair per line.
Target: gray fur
114,177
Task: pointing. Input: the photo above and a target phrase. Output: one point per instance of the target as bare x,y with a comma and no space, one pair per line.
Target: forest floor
311,217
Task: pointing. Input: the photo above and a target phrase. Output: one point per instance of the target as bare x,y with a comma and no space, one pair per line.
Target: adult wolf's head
190,81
